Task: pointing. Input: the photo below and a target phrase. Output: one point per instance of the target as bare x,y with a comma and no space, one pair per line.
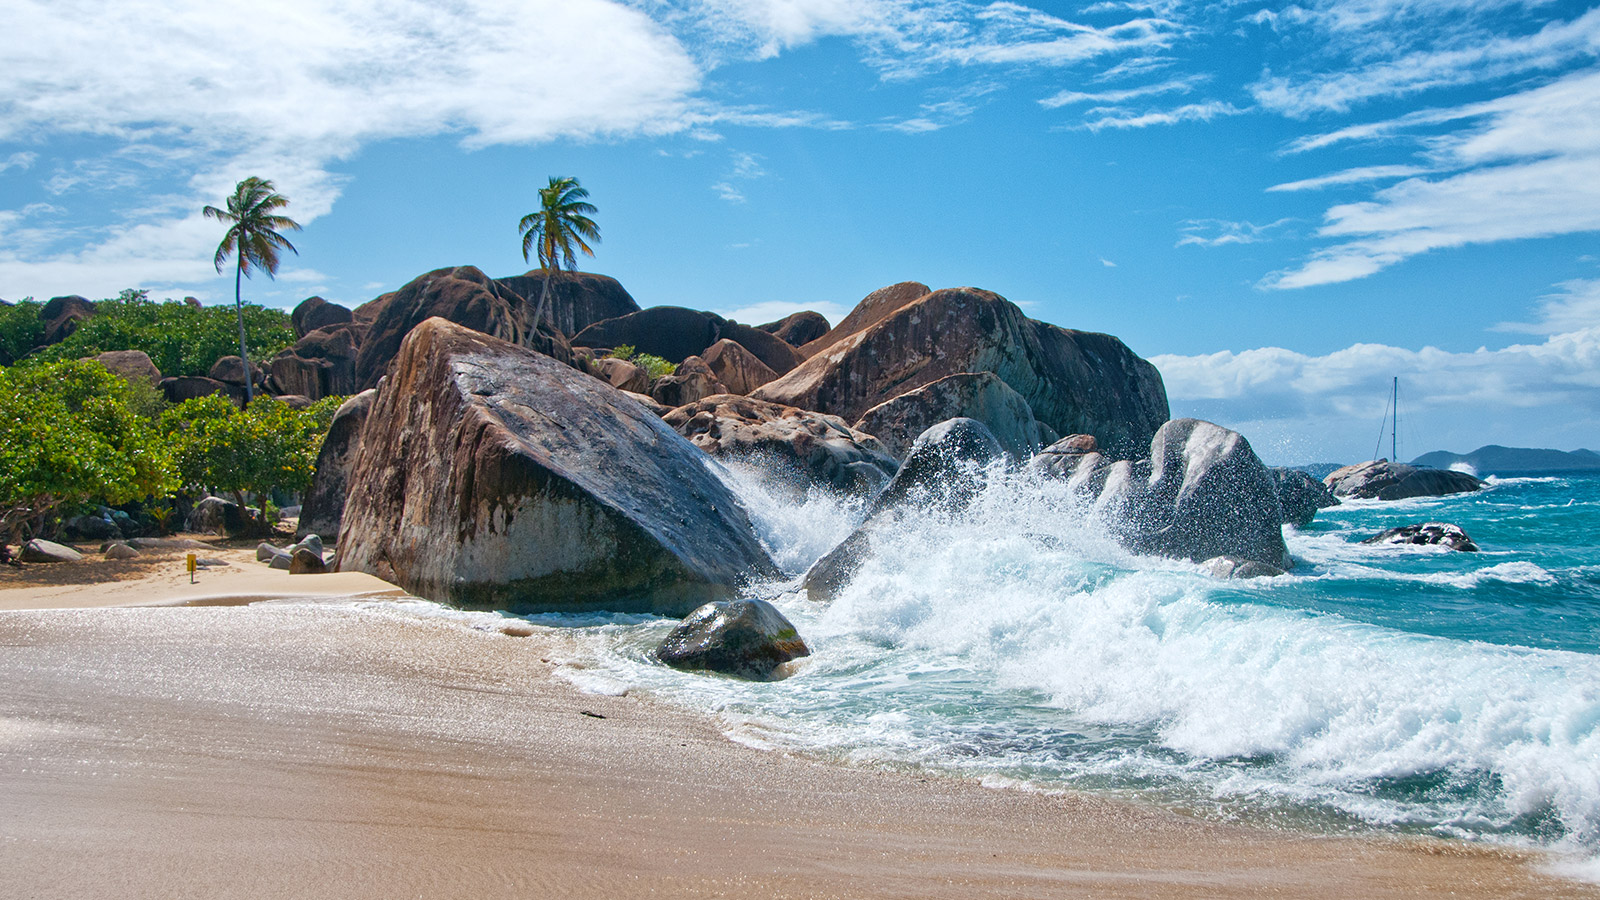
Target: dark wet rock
971,395
133,365
693,380
320,364
491,476
577,299
1301,495
1384,480
120,550
748,638
873,308
40,550
943,472
188,387
306,562
1428,534
323,509
1233,567
459,294
314,313
675,334
61,316
798,329
817,447
1075,382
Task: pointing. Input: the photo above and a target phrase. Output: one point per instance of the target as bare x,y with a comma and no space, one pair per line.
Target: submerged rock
749,638
1383,480
1427,533
491,476
1234,567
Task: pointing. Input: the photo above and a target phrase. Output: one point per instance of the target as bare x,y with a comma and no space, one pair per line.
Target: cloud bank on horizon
1416,127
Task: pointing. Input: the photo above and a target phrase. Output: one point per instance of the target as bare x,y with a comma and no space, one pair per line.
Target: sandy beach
159,739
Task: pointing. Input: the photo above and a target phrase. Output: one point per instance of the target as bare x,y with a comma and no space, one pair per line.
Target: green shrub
180,339
653,365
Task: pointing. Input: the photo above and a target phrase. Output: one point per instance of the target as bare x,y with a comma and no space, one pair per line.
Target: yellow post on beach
191,565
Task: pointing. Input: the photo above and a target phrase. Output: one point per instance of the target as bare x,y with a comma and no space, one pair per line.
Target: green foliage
69,433
180,339
265,447
653,365
20,330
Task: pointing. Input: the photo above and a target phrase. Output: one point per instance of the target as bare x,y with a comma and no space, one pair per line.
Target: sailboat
1391,419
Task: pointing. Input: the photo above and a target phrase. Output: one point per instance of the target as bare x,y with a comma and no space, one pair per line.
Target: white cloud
1573,306
1349,176
1528,166
728,192
1192,112
765,311
21,160
1527,394
1175,85
1107,263
1220,232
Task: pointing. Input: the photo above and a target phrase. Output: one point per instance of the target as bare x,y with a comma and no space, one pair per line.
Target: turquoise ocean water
1389,688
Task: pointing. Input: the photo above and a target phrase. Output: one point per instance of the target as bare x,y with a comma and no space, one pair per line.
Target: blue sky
1281,206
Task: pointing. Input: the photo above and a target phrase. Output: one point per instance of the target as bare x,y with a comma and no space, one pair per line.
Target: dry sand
312,750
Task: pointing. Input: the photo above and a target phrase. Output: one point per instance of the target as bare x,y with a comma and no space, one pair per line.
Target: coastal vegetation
556,230
253,240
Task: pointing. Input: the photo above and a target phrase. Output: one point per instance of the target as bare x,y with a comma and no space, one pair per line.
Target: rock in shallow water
749,638
1427,533
1384,480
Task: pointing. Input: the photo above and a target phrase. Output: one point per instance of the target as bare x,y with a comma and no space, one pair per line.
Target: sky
1283,207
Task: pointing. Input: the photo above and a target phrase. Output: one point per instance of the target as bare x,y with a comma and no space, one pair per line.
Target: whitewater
1373,687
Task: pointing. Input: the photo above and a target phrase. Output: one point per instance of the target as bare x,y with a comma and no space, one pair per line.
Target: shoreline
308,750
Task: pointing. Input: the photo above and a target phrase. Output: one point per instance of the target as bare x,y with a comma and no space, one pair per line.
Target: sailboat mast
1394,430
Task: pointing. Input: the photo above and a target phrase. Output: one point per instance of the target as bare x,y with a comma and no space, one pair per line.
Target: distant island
1496,459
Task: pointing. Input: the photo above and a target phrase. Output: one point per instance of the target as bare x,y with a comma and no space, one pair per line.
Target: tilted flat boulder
1384,480
460,294
1076,382
492,476
1427,534
737,368
323,509
971,395
314,313
819,447
748,638
798,329
132,365
873,308
944,471
675,334
40,550
1301,495
577,299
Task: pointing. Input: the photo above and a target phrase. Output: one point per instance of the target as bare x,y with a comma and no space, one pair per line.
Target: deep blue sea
1374,687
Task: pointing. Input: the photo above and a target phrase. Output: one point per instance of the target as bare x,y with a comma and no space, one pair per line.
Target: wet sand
302,750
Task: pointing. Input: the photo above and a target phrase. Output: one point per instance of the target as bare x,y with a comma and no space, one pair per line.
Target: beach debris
590,713
1427,533
560,493
120,550
1384,480
40,550
747,638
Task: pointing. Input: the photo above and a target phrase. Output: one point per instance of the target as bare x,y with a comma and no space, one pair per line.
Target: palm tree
556,230
253,239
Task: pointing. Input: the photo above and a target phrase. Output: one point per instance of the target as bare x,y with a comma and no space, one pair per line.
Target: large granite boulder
216,515
944,471
972,395
692,380
622,375
314,313
320,364
748,638
873,308
323,508
737,368
1301,495
577,299
61,316
1427,534
492,476
368,312
798,329
462,295
132,365
821,448
187,387
40,550
1385,480
1076,382
230,370
675,334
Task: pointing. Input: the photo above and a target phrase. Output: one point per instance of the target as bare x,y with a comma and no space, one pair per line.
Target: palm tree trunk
238,307
544,294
